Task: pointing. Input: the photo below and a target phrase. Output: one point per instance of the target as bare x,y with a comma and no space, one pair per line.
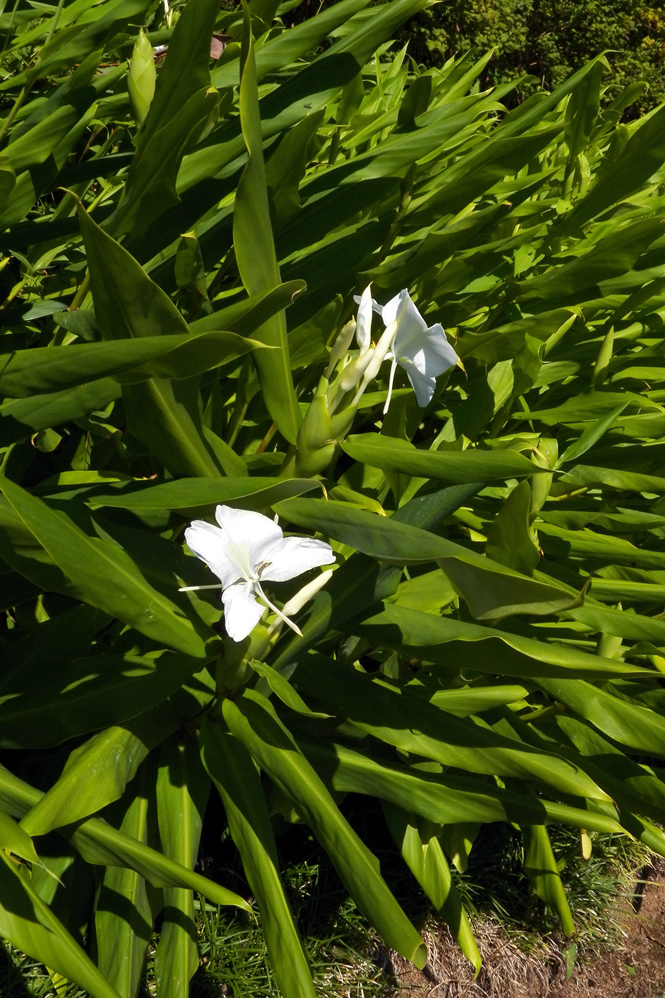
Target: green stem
84,287
56,18
6,124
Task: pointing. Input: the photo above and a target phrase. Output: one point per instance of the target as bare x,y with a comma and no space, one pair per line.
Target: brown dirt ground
634,970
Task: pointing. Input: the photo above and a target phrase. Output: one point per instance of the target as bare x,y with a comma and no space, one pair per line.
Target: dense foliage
550,39
183,243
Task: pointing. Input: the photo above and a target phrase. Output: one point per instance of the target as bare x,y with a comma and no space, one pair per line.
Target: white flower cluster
422,351
246,550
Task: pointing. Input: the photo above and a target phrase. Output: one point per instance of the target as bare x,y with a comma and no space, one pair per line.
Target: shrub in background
549,39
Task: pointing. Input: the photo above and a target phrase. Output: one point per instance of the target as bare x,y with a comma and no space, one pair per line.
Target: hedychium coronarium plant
225,374
422,351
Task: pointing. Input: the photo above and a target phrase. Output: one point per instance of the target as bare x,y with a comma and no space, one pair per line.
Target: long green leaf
182,792
28,924
256,725
255,252
233,772
106,576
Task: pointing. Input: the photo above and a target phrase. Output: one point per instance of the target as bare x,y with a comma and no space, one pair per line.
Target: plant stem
6,124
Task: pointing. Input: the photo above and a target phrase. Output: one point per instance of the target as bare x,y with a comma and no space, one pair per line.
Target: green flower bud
315,446
142,77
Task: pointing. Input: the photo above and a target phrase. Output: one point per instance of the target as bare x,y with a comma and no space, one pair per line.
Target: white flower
423,351
364,321
248,550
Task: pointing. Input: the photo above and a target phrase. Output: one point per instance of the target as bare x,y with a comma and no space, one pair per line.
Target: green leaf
391,454
91,694
107,576
247,315
608,257
592,434
166,417
45,369
182,793
101,844
27,923
253,721
255,252
20,418
7,181
633,786
95,774
399,718
442,798
127,302
151,182
541,868
490,589
639,159
511,540
13,839
199,496
123,914
233,772
628,723
186,72
422,852
445,641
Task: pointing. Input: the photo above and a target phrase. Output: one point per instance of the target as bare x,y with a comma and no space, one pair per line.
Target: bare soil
635,969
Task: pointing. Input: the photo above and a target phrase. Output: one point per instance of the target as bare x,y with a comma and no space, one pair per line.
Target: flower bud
352,374
141,77
315,446
341,345
377,357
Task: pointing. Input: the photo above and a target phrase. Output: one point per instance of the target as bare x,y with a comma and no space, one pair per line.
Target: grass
338,940
342,948
495,886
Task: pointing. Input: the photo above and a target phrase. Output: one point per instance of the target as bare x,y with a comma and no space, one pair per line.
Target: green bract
178,278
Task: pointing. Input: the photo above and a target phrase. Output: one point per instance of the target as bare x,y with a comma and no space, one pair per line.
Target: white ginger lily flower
248,550
364,320
422,351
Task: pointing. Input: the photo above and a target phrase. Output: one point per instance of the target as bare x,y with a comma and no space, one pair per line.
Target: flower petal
247,533
411,328
422,384
209,544
391,309
439,353
245,524
242,611
375,305
293,556
364,321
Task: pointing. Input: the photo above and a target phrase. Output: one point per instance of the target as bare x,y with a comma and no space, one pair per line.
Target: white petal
410,328
439,353
242,611
209,544
245,524
248,534
364,321
375,305
423,385
390,310
295,555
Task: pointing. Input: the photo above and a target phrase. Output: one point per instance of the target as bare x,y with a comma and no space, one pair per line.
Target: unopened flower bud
352,374
341,345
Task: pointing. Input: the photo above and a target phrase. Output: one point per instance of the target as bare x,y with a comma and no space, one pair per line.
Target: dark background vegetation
546,39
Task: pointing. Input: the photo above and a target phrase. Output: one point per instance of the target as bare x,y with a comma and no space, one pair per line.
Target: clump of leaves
183,249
